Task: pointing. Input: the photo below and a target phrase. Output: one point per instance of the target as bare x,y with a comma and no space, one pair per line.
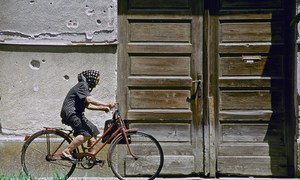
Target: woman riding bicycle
72,113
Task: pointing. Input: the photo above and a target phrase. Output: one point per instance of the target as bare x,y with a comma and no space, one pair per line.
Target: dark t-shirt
74,102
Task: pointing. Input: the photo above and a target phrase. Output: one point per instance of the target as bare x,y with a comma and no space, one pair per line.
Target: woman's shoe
69,157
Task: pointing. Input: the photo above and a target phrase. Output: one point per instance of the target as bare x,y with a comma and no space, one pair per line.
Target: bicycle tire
34,155
145,147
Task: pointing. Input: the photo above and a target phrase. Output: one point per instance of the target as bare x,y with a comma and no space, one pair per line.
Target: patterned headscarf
89,76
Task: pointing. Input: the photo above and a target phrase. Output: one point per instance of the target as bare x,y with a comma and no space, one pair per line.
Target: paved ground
190,178
11,147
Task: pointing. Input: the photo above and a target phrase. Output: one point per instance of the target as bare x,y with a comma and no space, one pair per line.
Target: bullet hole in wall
66,77
73,24
90,12
35,64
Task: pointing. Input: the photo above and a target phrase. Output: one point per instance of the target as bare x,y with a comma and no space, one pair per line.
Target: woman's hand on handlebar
106,109
109,107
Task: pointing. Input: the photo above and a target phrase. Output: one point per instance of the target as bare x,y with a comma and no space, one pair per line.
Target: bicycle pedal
100,162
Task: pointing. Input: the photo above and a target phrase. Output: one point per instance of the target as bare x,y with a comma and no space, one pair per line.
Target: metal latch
198,90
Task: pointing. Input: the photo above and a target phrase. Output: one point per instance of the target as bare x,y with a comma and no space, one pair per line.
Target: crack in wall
11,33
88,35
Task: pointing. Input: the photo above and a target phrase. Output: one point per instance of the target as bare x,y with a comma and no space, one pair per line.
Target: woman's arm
92,100
97,107
94,104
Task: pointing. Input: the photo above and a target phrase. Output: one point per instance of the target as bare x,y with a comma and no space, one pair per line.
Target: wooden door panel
250,115
251,91
160,66
159,4
173,165
250,149
167,132
251,65
159,57
162,81
250,48
248,82
250,4
251,100
160,115
158,99
160,31
158,48
256,165
260,32
252,133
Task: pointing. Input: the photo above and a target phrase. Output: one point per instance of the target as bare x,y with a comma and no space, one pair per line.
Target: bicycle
131,153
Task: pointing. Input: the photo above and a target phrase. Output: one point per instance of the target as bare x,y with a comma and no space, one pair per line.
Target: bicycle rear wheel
41,155
149,157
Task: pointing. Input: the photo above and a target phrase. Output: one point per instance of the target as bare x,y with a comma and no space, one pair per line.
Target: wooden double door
209,81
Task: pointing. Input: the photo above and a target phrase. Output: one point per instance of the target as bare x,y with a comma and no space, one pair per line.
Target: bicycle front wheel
145,159
41,155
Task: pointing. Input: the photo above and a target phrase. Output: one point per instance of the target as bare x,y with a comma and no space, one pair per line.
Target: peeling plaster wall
58,21
35,80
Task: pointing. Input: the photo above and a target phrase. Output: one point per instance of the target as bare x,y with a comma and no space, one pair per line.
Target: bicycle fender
28,137
131,130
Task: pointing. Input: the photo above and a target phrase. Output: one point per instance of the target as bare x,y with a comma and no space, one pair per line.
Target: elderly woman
72,112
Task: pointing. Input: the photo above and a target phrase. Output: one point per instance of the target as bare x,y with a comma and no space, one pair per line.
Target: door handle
197,92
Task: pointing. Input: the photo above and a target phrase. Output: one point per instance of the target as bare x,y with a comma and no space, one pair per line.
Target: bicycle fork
128,146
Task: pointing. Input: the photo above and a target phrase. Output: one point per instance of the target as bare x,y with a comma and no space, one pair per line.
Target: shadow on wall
281,125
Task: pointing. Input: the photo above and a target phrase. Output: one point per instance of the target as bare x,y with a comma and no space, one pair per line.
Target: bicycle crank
88,161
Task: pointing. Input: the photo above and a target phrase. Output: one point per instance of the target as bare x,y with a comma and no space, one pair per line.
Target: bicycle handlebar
115,111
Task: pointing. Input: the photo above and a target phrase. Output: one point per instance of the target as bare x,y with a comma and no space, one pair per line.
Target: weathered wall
44,44
34,81
58,21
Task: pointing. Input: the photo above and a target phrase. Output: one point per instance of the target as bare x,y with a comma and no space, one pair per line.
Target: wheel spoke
35,153
37,150
146,148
